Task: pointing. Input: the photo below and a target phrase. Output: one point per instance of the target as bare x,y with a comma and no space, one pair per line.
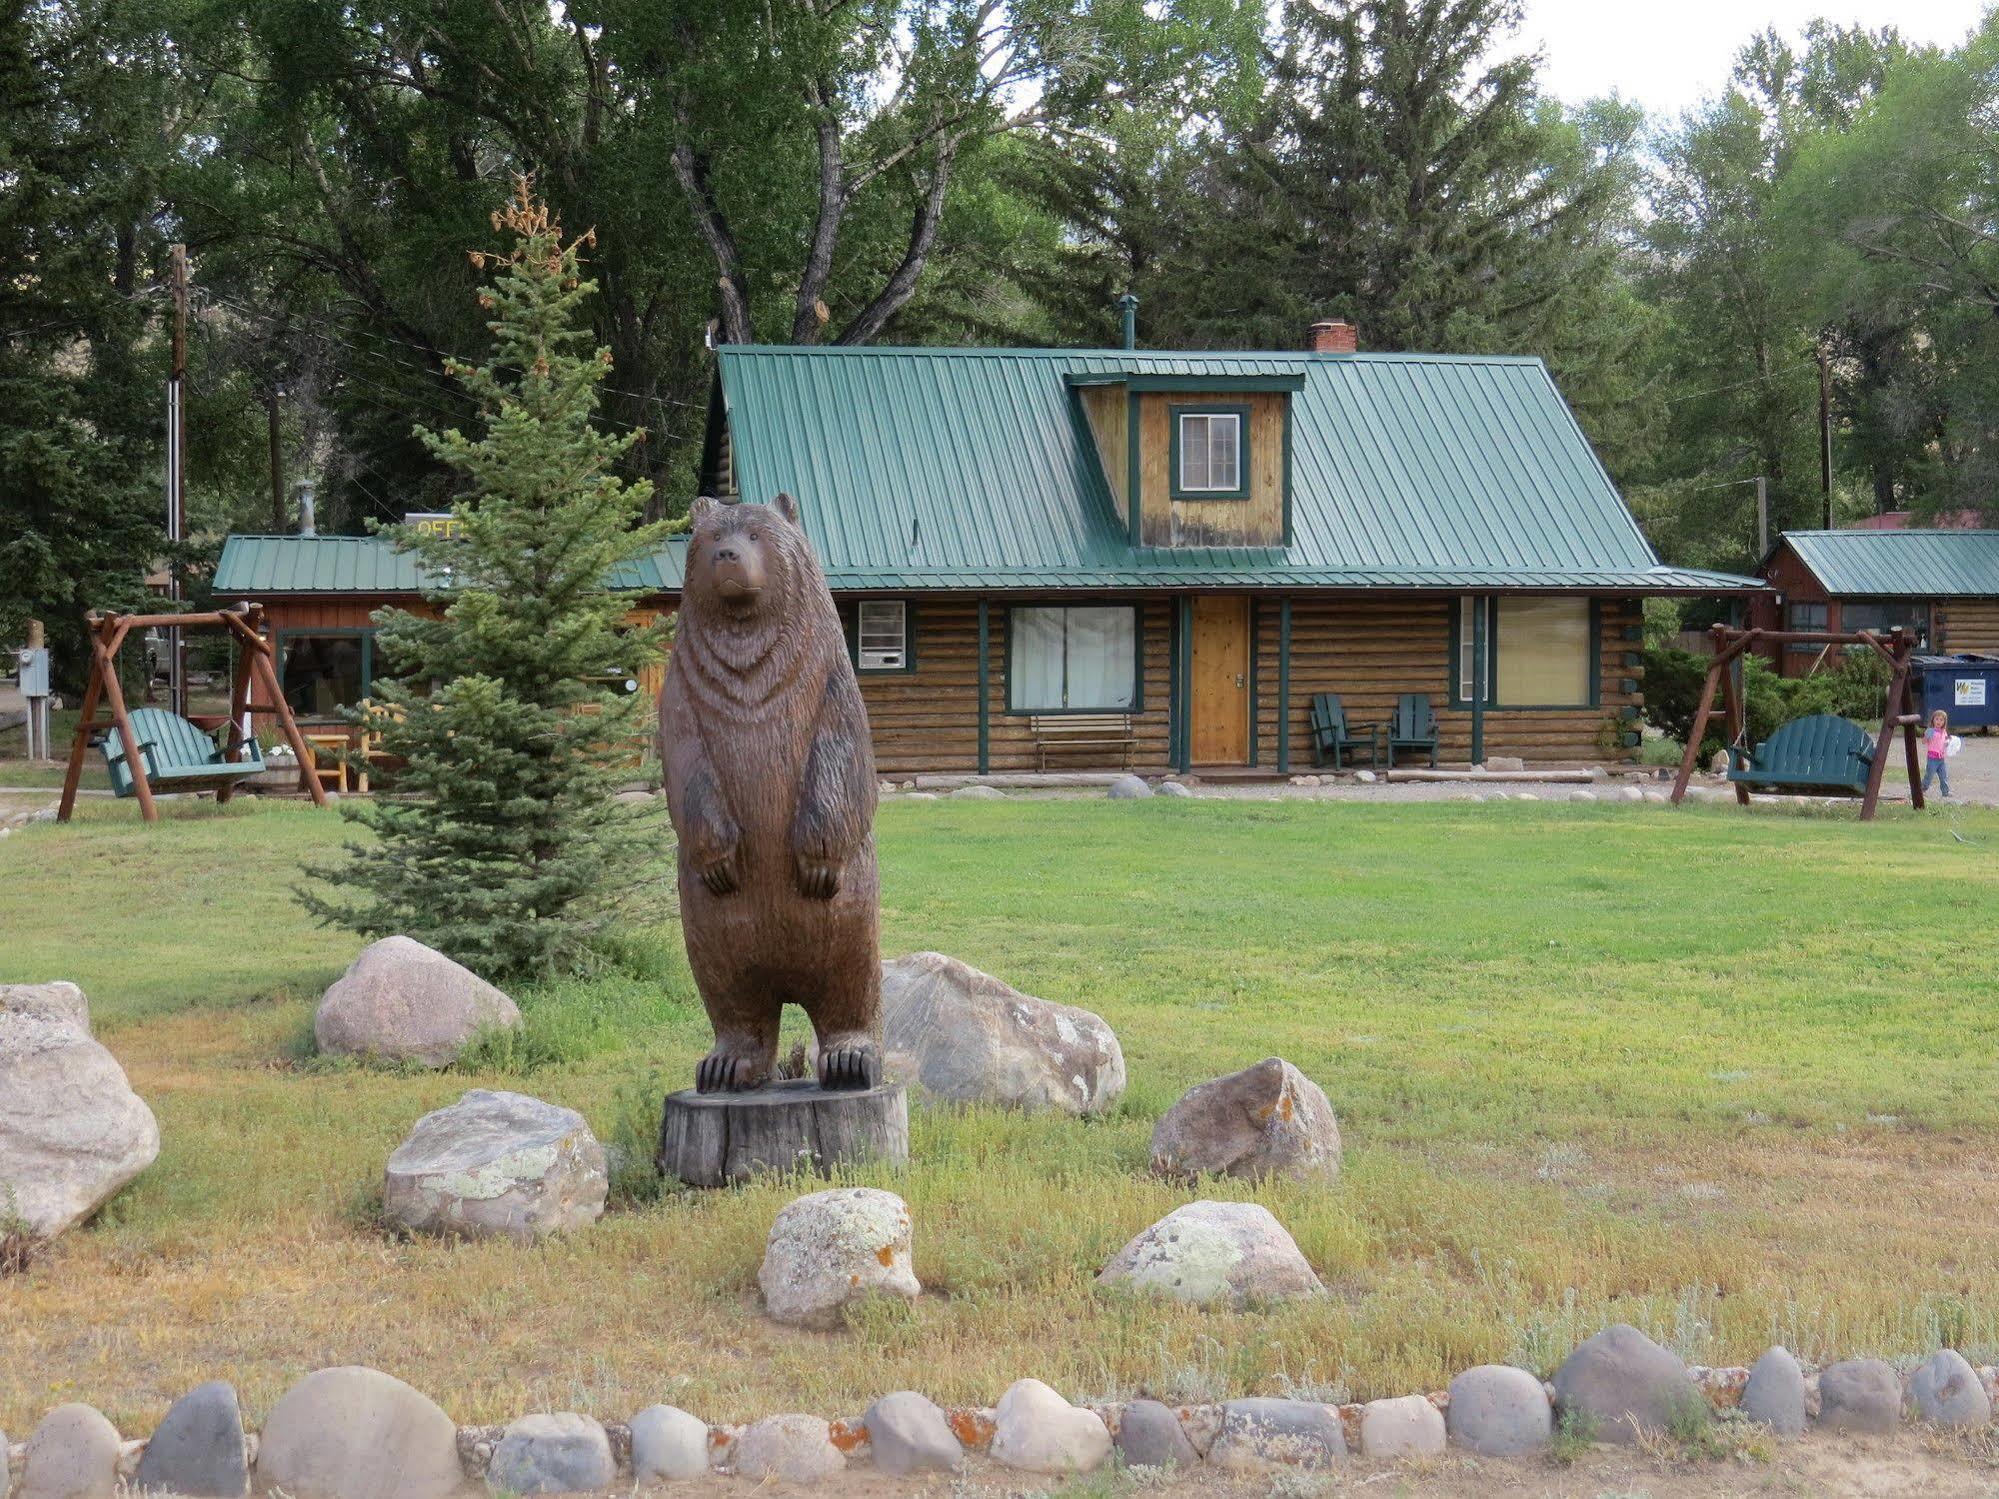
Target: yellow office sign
433,522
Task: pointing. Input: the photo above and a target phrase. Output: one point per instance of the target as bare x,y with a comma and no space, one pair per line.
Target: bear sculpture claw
850,1067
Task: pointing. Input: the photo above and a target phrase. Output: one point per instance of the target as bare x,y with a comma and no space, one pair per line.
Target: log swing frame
1898,705
255,674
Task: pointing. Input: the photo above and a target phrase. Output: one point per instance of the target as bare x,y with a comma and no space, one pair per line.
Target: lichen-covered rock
1266,1120
1171,788
1214,1253
559,1453
978,794
1775,1393
1149,1435
497,1164
909,1434
58,1000
795,1449
1497,1410
1947,1392
668,1443
965,1036
1262,1435
1037,1431
1624,1383
1404,1426
401,1001
72,1454
197,1449
72,1131
354,1433
1128,789
827,1249
1861,1394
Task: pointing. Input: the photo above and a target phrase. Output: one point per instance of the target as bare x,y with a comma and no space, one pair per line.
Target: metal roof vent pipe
1127,306
307,524
1332,336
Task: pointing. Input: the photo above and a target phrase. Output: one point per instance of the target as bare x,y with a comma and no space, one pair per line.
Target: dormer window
1210,452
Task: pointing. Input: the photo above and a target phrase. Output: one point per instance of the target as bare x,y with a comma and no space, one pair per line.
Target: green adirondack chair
178,756
1334,737
1413,727
1819,755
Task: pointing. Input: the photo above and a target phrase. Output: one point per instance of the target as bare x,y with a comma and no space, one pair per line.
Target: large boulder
1037,1431
58,1000
72,1131
197,1449
559,1453
1947,1392
1497,1410
1266,1120
71,1454
354,1433
497,1165
1861,1394
1214,1253
827,1249
1775,1393
400,1001
1260,1436
1624,1383
964,1036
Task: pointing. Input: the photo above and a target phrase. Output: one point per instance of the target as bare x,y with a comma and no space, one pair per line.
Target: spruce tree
501,843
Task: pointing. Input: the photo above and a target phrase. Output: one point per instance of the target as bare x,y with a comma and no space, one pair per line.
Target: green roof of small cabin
974,469
1914,564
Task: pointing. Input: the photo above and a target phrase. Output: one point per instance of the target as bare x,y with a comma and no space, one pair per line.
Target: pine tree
502,844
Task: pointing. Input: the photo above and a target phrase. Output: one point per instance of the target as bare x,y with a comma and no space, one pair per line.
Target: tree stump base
716,1139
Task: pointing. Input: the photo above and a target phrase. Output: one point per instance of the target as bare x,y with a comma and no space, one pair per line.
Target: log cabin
1061,559
1941,586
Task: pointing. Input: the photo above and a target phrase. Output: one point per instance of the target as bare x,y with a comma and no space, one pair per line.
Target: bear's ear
786,506
699,510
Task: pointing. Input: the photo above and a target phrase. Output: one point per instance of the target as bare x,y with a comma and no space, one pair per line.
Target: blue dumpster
1965,687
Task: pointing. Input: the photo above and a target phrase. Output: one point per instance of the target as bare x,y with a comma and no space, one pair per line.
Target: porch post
1284,686
985,696
1478,687
1183,666
1255,618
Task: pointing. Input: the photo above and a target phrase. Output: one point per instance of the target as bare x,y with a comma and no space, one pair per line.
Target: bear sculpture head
746,562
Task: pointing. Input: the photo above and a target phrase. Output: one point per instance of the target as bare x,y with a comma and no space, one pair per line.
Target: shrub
1673,682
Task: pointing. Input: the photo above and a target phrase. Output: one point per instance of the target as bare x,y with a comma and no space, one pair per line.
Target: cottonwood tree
503,845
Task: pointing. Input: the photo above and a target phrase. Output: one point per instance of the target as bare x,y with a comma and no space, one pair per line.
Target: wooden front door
1218,681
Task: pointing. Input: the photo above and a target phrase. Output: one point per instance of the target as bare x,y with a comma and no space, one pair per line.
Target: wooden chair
176,756
1817,755
340,759
1413,727
1063,732
1333,736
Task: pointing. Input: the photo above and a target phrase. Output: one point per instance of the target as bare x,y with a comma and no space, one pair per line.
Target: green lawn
1726,1076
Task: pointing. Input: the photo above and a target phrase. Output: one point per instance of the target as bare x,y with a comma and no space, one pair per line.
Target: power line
1788,369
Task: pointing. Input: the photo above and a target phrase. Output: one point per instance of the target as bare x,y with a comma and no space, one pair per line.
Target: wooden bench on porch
1063,732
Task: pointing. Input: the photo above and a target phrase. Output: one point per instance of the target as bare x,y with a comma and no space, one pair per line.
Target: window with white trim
1210,452
881,641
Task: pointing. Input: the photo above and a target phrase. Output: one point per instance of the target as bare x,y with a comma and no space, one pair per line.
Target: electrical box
34,668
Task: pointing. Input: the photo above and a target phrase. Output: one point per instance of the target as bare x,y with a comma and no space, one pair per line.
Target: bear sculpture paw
730,1072
850,1066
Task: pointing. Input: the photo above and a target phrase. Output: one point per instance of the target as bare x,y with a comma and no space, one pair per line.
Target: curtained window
1537,651
1072,658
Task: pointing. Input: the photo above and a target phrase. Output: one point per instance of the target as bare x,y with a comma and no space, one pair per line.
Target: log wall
1969,625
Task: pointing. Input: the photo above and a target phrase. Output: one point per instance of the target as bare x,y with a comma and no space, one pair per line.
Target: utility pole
177,476
271,398
1825,433
1762,517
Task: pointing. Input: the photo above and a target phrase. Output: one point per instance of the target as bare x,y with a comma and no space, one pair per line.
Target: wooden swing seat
1819,755
178,756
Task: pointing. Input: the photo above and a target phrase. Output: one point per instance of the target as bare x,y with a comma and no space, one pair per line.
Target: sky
1667,56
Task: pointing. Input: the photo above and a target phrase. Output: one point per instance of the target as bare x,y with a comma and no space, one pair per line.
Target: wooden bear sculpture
770,780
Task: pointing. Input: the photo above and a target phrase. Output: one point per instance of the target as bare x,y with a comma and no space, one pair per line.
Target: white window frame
890,622
1234,419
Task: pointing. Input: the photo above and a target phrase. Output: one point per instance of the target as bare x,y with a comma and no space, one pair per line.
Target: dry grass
1726,1077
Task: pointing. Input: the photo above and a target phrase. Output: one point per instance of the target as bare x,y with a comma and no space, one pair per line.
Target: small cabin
1157,560
1940,586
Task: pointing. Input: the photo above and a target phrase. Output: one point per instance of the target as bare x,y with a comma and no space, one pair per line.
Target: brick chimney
1332,336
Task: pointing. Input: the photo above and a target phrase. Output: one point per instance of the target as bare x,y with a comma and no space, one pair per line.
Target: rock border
976,1427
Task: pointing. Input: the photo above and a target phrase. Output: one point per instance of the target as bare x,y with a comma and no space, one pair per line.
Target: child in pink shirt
1937,743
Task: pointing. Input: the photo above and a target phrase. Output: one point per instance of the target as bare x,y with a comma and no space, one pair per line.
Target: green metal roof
261,566
973,468
1928,564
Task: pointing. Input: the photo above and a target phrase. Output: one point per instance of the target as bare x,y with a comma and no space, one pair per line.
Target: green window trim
1174,414
1137,658
365,636
850,625
1490,603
